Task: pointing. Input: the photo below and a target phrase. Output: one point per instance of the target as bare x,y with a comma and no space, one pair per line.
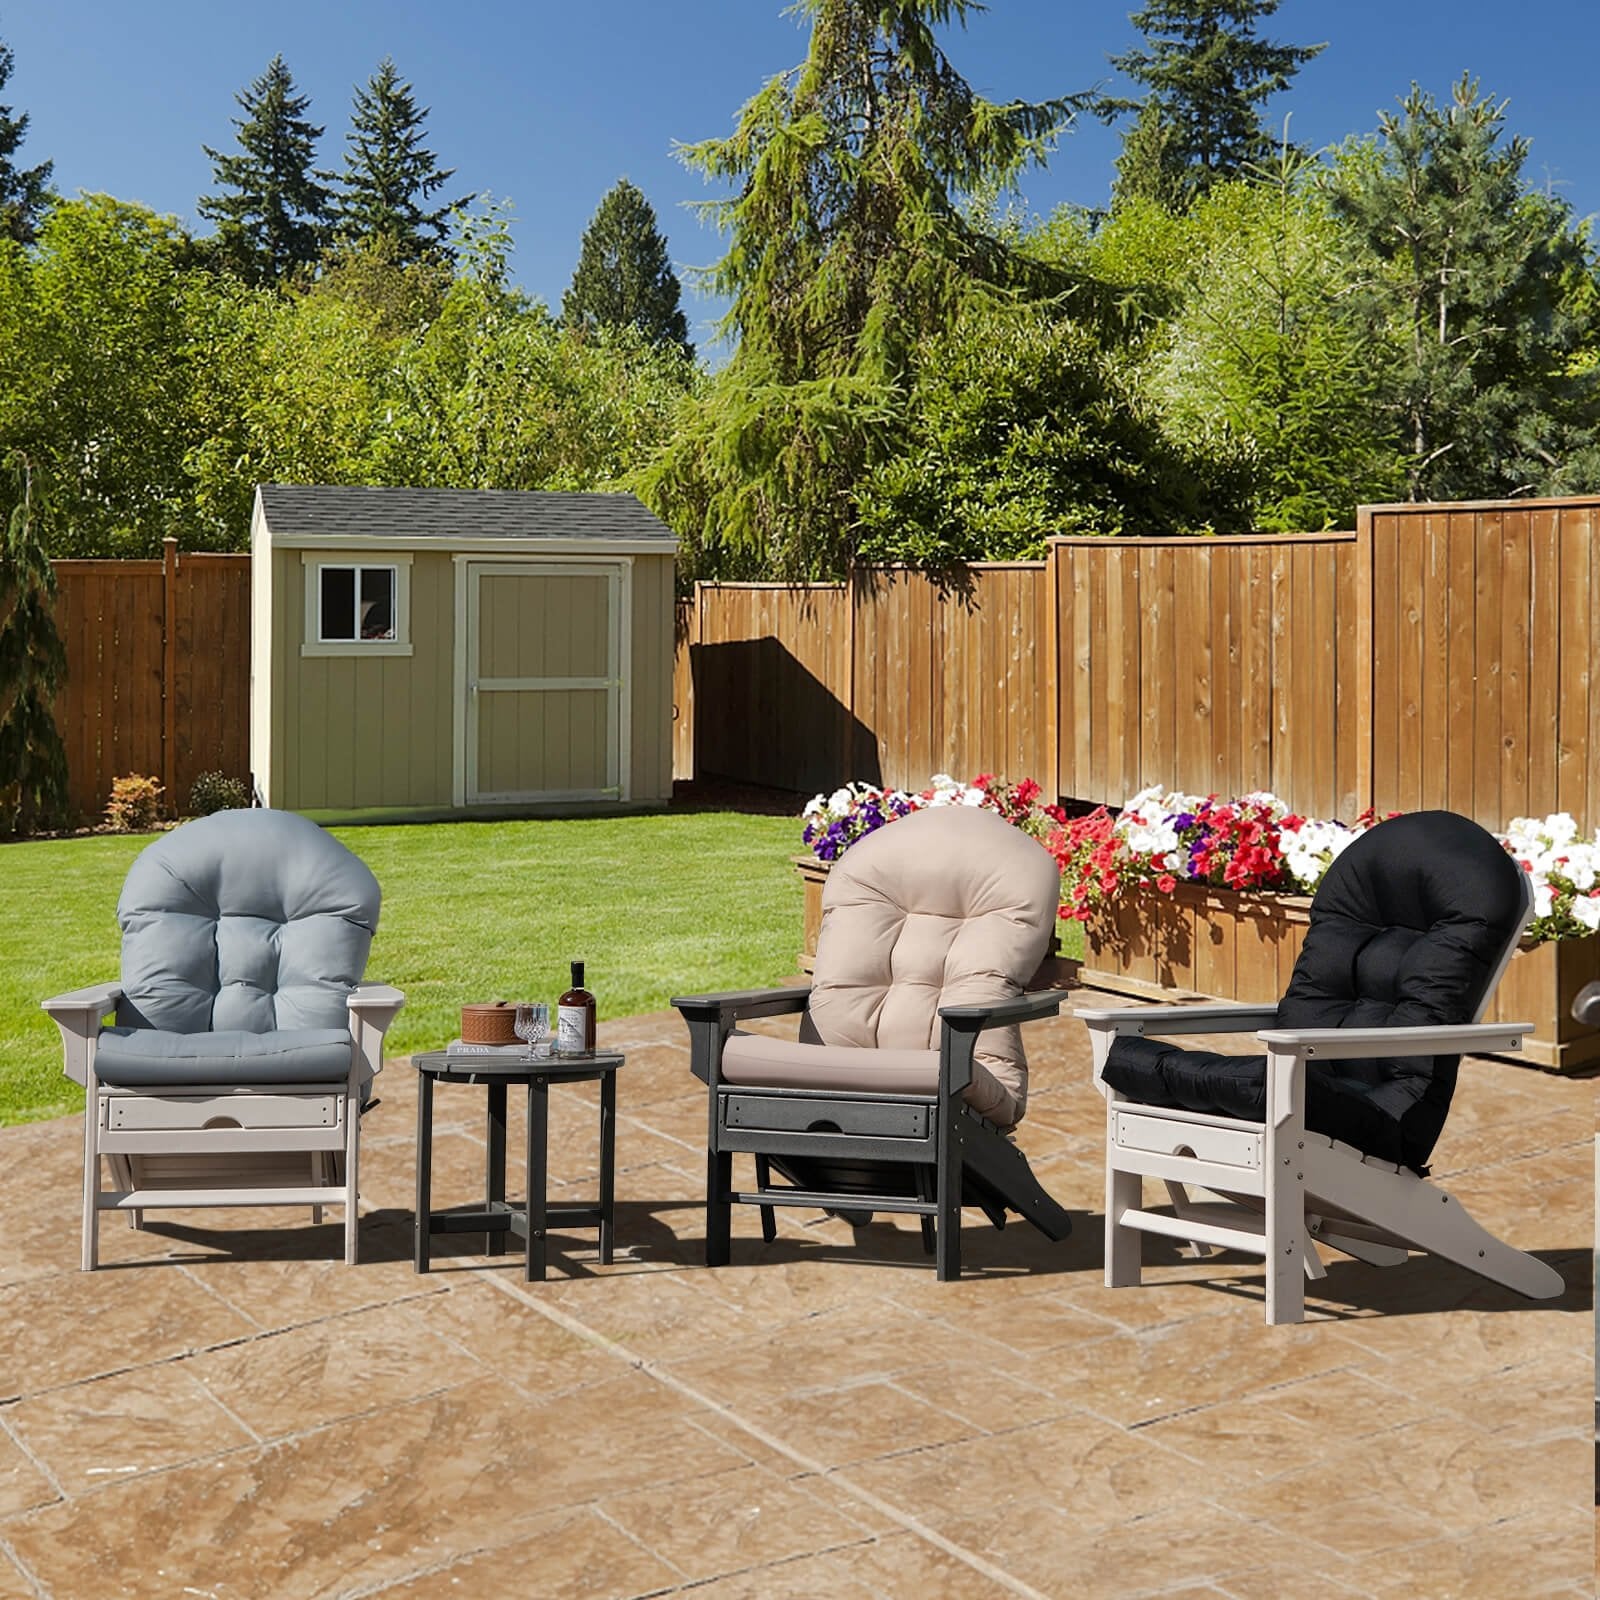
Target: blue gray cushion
1408,929
135,1058
244,921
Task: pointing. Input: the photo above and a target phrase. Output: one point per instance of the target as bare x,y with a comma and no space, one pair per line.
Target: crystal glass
532,1026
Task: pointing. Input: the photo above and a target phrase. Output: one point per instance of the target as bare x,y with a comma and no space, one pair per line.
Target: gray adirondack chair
243,1041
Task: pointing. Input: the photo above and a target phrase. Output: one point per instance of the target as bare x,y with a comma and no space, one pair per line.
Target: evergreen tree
273,210
33,665
24,192
1206,75
624,279
1483,292
848,245
390,175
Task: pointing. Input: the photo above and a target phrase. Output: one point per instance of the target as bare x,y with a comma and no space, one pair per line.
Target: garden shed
438,650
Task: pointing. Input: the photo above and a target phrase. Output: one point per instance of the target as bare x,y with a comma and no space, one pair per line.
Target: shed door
543,687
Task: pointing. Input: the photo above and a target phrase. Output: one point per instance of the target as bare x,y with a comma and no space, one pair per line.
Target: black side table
530,1221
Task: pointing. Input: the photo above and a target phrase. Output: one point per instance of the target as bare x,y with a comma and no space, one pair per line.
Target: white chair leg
91,1176
1181,1207
1124,1245
1285,1223
352,1148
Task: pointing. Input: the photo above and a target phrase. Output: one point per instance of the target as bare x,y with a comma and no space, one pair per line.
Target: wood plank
1544,644
1516,604
1435,657
1463,661
1486,807
1408,777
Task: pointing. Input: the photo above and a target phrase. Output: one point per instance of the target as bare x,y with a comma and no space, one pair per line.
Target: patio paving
227,1410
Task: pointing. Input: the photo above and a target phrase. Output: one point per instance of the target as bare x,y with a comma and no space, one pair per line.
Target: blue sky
548,102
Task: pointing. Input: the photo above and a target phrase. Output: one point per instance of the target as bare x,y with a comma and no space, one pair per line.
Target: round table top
515,1069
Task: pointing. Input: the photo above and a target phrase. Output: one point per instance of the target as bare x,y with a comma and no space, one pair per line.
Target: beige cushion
949,906
754,1058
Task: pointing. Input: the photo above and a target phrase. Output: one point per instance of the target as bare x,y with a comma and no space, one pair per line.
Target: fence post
169,670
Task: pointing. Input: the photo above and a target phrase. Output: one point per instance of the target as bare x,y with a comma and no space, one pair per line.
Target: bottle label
572,1030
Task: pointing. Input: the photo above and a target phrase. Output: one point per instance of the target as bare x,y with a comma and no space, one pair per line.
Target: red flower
1166,883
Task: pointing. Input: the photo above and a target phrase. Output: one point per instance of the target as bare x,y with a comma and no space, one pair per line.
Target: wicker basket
489,1024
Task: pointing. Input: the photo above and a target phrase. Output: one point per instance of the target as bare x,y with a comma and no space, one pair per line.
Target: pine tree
848,245
24,192
273,211
1482,291
1206,75
624,279
33,665
390,175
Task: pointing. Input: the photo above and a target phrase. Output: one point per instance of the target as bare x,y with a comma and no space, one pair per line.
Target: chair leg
947,1184
925,1192
769,1214
91,1177
1285,1234
719,1208
1124,1246
352,1208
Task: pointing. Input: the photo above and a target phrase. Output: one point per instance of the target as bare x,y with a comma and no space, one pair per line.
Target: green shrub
216,791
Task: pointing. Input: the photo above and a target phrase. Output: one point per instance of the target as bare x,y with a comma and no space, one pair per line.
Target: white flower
1586,909
1543,898
840,799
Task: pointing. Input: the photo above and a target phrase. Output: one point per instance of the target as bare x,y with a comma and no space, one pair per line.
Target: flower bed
834,822
1210,897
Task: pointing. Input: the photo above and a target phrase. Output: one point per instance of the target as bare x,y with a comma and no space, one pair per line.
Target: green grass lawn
655,905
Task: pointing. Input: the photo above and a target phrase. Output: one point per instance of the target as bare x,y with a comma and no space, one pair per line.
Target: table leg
608,1161
424,1167
538,1150
494,1176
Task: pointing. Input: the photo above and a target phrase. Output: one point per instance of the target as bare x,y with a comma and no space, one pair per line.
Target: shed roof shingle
340,511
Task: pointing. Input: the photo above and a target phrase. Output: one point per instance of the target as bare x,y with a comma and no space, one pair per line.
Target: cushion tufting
1408,929
244,921
949,906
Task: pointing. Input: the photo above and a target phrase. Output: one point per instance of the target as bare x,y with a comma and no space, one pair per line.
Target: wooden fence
158,671
1436,656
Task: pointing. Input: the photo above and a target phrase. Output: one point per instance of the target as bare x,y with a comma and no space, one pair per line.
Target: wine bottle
575,1015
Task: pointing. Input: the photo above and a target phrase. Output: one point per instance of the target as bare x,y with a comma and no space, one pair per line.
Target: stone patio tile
366,1361
1529,1555
988,1401
276,1291
77,1325
1536,1400
1258,1437
97,1433
363,1502
1425,1482
572,1554
1078,1472
13,1586
905,1564
22,1485
1034,1325
857,1341
1178,1368
1272,1580
857,1422
804,1578
731,1522
503,1334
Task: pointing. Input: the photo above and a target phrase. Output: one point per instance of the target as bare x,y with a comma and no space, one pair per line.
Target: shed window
356,602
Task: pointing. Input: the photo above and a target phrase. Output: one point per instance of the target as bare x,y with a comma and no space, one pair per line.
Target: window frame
356,562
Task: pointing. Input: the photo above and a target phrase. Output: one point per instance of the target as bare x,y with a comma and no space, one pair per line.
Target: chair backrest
1412,926
949,906
244,920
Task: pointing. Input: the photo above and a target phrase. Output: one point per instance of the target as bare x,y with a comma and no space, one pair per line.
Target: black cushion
1408,929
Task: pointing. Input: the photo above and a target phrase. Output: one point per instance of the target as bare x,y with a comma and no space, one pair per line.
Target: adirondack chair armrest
710,1016
78,1014
1024,1008
373,1008
1333,1044
1161,1020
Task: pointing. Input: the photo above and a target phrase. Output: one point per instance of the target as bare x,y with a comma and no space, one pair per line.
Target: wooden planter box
1204,942
1056,971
